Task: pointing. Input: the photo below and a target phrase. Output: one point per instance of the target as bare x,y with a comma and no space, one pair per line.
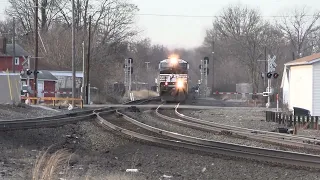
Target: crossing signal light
275,75
269,75
29,72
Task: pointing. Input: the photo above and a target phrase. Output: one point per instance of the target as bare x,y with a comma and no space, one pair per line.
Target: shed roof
305,60
42,75
19,51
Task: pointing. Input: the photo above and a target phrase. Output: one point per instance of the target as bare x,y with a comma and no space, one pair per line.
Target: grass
46,165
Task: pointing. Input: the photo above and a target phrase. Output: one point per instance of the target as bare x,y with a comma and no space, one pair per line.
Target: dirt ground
102,154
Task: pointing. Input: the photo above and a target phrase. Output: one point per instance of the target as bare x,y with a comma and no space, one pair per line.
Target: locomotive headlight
173,61
180,84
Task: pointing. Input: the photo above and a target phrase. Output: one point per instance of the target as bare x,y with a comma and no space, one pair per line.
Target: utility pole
83,94
73,56
148,77
14,46
36,56
88,64
127,74
212,65
204,76
265,67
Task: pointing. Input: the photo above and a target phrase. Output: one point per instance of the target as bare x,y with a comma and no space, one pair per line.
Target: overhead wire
207,16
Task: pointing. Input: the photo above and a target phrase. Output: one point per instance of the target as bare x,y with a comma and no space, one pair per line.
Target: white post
268,103
277,102
130,65
83,73
89,94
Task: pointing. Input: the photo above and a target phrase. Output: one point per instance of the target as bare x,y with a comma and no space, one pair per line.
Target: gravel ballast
149,117
253,118
101,154
23,111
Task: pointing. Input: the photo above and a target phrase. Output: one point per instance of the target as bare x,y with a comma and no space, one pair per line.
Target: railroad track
58,120
279,138
129,126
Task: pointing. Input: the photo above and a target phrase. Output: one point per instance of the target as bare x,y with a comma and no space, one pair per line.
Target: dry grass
46,165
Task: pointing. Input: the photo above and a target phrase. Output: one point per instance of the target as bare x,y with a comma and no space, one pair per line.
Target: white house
301,84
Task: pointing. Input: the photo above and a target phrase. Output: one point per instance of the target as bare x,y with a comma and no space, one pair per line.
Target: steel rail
269,155
240,129
71,114
58,120
243,135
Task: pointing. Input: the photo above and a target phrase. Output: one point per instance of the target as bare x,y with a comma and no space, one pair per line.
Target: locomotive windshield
168,68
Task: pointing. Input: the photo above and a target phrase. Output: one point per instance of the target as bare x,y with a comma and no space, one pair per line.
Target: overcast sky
189,32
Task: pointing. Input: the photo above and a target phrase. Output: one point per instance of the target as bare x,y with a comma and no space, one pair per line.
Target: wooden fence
310,122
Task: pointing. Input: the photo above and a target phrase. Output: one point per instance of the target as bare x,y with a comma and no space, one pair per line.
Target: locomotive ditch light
180,84
275,75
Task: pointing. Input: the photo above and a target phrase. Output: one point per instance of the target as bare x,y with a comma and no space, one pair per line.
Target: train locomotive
173,79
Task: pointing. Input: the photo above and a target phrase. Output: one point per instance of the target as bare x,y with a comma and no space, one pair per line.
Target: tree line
239,37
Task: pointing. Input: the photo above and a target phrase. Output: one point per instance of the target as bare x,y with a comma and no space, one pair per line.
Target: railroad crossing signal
128,69
271,64
204,70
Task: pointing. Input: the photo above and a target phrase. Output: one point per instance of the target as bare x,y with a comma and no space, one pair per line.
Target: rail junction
130,125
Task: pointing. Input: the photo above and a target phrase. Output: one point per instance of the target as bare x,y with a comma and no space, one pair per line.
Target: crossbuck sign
271,64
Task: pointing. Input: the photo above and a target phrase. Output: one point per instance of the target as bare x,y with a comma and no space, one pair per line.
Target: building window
16,60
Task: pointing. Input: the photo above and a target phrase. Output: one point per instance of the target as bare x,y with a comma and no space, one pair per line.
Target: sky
189,32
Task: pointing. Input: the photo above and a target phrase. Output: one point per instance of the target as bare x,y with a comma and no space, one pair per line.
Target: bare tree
242,29
298,27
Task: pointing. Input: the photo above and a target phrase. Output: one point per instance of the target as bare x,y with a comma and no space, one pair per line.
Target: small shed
301,84
46,82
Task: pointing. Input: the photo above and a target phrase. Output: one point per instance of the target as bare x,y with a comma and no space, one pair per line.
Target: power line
207,16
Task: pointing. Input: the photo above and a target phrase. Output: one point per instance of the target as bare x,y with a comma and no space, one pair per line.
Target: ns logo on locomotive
173,79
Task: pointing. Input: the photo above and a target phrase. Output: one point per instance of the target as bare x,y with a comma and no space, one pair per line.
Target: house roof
42,75
305,60
19,51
